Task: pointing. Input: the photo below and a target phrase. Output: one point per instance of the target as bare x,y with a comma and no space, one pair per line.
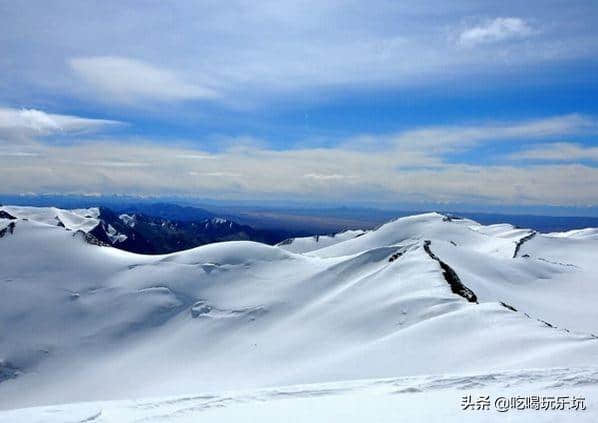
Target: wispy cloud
255,99
446,138
127,80
37,122
216,174
498,29
17,153
373,177
559,151
232,53
328,176
412,166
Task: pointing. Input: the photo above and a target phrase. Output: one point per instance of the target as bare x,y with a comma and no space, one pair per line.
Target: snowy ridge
137,232
576,234
243,315
307,244
77,219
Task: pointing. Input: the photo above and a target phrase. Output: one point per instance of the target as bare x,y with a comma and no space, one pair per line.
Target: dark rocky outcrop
8,229
8,371
523,241
508,306
90,238
395,256
6,215
450,217
451,277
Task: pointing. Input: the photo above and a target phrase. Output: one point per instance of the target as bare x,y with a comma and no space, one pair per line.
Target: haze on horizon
375,103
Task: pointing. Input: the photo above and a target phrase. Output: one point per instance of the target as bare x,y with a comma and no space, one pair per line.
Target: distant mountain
142,233
298,221
538,223
167,211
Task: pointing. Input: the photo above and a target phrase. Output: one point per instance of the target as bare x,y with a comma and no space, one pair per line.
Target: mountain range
155,233
429,307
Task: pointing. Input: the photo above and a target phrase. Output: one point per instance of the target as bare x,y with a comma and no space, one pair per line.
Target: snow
422,398
114,235
128,220
428,226
306,244
77,219
218,221
108,327
576,233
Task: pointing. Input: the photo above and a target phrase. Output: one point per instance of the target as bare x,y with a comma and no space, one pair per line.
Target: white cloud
239,53
37,122
325,176
447,138
499,29
411,166
127,80
560,151
374,177
17,154
112,163
195,157
216,174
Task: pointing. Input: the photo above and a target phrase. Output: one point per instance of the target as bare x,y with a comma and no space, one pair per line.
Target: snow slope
81,322
411,399
76,219
306,244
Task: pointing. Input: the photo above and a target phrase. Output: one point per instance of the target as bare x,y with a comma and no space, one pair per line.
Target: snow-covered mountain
140,233
421,306
307,244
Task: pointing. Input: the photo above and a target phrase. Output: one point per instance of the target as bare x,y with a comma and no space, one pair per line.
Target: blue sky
376,103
